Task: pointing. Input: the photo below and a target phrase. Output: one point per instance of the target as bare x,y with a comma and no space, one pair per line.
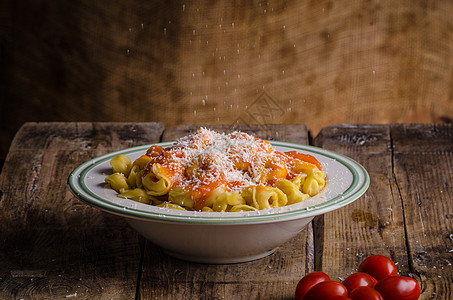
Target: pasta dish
210,171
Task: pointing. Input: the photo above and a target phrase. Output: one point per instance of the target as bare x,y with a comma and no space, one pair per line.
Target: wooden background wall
302,61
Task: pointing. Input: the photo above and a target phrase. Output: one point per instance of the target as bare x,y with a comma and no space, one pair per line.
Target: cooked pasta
216,172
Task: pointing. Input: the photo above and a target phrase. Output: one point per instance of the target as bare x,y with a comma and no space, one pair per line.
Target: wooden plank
272,277
373,224
423,163
53,245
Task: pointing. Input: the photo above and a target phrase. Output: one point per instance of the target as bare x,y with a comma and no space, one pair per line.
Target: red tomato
324,290
365,293
308,281
355,280
398,288
339,298
378,266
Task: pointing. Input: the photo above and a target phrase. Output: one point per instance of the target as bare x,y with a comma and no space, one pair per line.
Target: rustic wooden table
54,246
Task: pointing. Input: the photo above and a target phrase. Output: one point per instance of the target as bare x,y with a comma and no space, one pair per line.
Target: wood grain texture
373,224
409,166
423,173
206,62
54,246
273,277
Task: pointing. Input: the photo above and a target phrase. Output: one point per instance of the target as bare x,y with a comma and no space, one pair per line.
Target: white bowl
215,237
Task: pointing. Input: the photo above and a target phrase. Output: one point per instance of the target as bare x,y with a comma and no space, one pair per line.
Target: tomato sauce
199,166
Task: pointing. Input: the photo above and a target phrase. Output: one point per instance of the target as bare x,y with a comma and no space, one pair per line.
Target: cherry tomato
324,290
339,298
365,293
355,280
378,266
308,281
398,288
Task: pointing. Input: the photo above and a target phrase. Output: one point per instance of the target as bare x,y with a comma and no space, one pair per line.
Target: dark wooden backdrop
247,62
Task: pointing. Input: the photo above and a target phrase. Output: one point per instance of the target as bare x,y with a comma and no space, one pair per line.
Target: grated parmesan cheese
216,155
202,161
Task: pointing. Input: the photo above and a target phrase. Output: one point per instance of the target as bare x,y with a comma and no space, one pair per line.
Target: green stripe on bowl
78,187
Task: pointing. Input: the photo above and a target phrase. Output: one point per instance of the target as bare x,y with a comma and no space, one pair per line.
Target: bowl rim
359,185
